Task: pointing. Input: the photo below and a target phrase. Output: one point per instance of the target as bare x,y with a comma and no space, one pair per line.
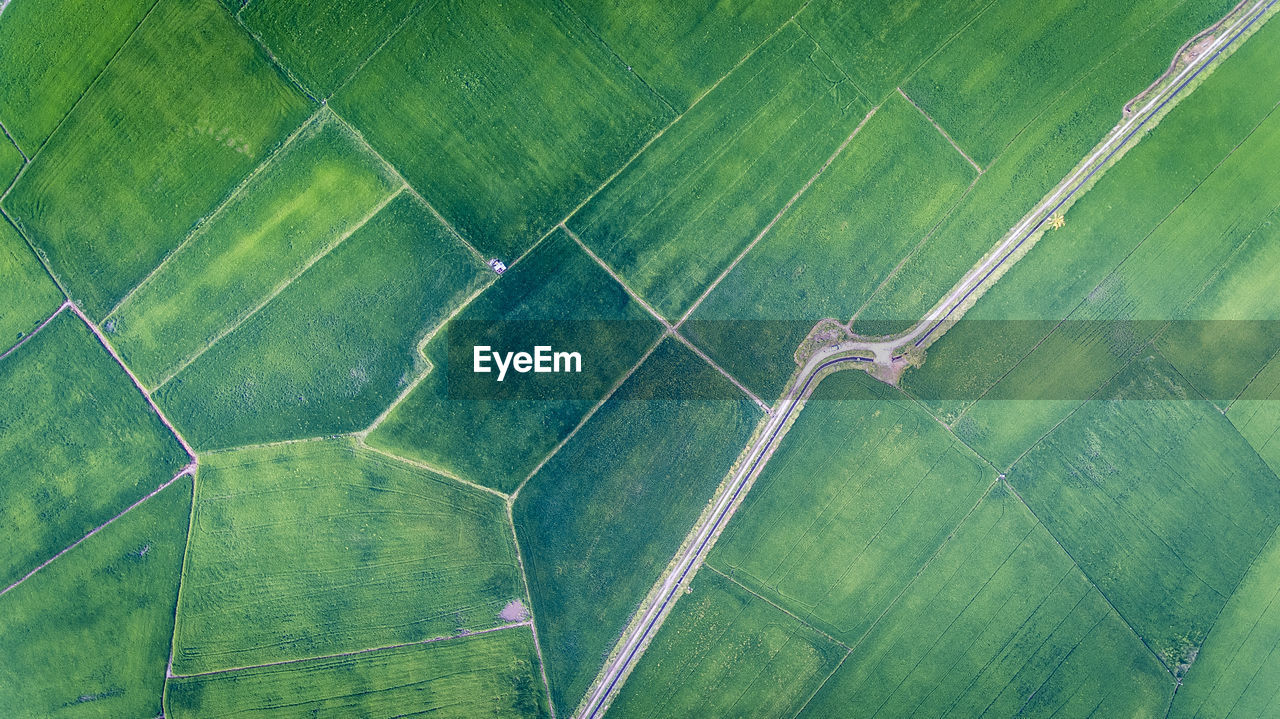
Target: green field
724,652
317,548
1042,48
305,200
831,250
50,52
601,519
491,675
10,162
324,43
1000,623
1236,673
1063,132
548,112
337,346
88,636
1158,499
79,445
27,295
879,44
1104,226
1256,414
682,49
679,215
158,141
556,296
854,501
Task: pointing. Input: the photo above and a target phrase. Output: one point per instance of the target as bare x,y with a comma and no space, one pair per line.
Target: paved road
930,327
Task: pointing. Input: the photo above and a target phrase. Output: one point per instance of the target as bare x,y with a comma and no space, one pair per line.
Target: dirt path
888,356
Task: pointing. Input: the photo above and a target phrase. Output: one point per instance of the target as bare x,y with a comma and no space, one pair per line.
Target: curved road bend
884,351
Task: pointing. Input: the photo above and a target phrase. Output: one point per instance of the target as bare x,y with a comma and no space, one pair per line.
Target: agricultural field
400,555
682,50
490,675
678,215
302,202
28,295
537,143
157,142
1256,414
1158,499
71,418
999,623
556,296
89,635
1236,673
725,652
46,67
601,518
824,258
855,500
324,43
880,44
334,348
11,161
1063,131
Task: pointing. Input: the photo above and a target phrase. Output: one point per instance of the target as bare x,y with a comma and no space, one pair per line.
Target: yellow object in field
1057,221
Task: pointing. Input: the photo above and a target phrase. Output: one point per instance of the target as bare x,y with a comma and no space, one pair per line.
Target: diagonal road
886,351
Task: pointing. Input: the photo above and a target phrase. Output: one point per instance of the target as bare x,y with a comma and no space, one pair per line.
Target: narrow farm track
887,352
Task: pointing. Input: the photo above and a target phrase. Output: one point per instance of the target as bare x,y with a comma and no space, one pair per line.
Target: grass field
88,636
602,518
681,50
997,75
50,51
999,623
317,548
880,44
678,215
27,295
306,199
1158,499
160,139
490,675
826,256
1256,414
1236,673
80,444
10,162
724,652
337,346
1063,132
548,112
855,499
324,43
556,296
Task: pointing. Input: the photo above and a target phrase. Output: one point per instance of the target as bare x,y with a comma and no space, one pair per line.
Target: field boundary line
360,443
5,131
586,417
26,337
773,604
270,55
236,323
276,443
40,257
189,469
794,198
413,11
136,382
83,93
218,209
910,75
359,136
1248,384
533,626
1089,579
856,88
357,652
182,581
941,131
670,330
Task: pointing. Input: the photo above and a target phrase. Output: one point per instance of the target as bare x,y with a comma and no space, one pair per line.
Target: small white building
497,265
